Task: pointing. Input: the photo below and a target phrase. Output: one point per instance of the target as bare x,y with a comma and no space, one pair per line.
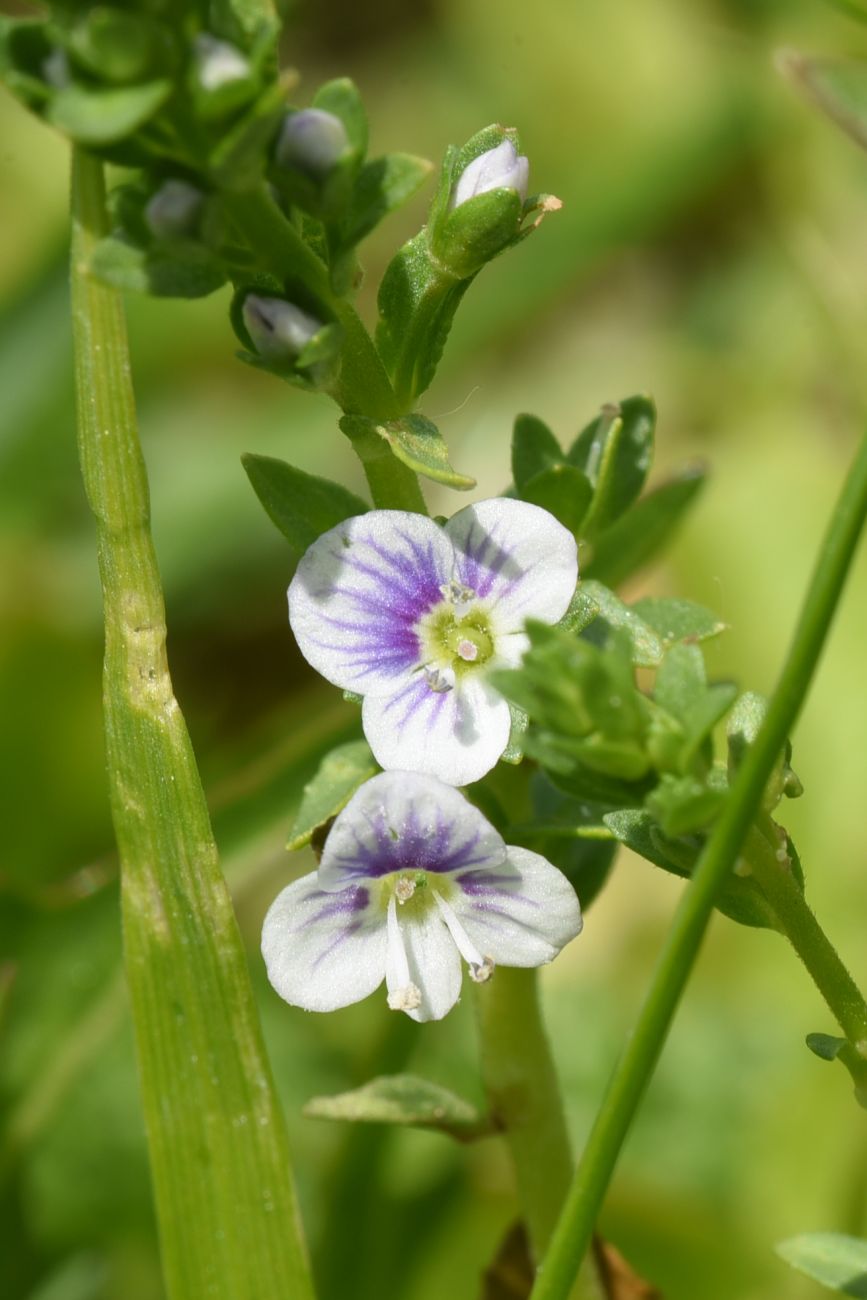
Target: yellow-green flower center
456,640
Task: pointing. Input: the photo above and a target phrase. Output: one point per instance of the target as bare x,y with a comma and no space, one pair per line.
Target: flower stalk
632,1073
216,1132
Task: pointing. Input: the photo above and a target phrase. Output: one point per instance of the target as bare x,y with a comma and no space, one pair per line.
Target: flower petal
518,556
423,959
359,591
521,913
405,821
323,950
456,735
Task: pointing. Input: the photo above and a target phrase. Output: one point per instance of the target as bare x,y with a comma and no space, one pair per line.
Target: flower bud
499,168
217,62
279,330
312,141
173,210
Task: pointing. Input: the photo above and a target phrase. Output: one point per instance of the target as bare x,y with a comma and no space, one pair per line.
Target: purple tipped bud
174,209
218,62
499,168
312,141
279,330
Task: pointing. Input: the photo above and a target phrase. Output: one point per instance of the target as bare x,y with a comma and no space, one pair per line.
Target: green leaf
831,1258
826,1046
302,505
562,490
636,537
514,751
647,646
338,777
101,117
615,451
534,449
184,269
417,442
383,185
674,619
581,612
238,158
118,46
680,681
837,86
406,1100
740,898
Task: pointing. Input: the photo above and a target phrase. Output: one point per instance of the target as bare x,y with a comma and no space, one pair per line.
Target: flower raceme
412,879
414,617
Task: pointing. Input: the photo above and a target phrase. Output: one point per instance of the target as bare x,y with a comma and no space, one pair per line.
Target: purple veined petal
522,913
517,556
324,950
405,821
359,592
455,735
423,966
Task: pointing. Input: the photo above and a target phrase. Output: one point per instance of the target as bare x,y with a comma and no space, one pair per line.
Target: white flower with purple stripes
413,617
412,879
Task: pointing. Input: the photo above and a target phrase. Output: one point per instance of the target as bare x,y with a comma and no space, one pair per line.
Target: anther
456,592
407,998
404,888
482,971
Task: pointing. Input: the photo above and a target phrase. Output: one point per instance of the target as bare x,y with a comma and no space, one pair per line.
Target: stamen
404,888
481,968
468,650
438,681
456,592
405,996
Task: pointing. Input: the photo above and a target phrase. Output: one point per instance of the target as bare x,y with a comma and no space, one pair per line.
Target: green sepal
615,451
740,899
104,116
25,45
417,442
837,86
182,269
581,612
534,449
338,777
408,1101
742,728
683,805
117,46
382,186
417,302
477,231
674,619
679,737
639,534
836,1261
647,646
302,505
340,97
514,751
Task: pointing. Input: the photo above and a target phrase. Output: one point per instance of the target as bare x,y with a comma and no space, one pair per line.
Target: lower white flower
412,879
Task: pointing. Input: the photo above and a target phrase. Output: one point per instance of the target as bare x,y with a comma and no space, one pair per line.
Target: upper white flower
412,878
414,617
499,168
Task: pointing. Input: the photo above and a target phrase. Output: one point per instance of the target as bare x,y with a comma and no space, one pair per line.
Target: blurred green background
711,251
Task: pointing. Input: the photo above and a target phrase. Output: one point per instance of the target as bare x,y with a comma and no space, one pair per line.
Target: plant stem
806,935
636,1065
524,1098
363,387
229,1225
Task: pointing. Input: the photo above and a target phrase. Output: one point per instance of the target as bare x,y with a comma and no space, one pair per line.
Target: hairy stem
363,387
229,1225
832,979
636,1065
